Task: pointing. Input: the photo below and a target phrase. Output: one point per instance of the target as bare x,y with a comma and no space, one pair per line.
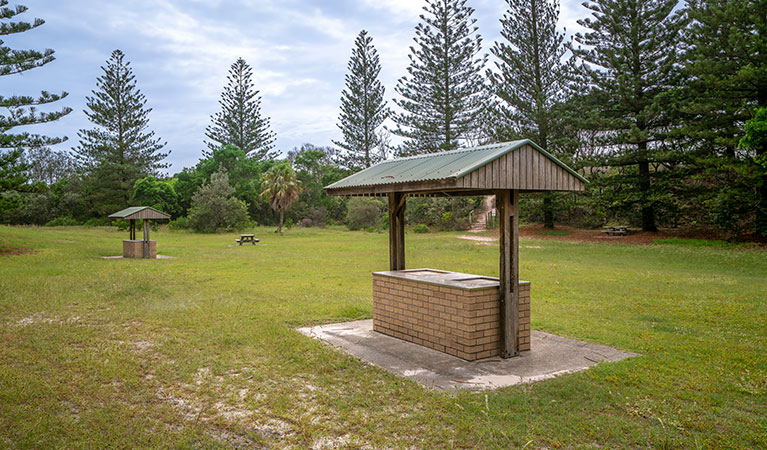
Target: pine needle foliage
533,78
239,122
630,64
441,95
22,109
363,108
121,136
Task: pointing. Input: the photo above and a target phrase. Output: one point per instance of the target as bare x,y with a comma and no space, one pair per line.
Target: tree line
662,105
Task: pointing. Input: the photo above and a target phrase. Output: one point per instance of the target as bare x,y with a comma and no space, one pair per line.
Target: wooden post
397,231
146,238
507,204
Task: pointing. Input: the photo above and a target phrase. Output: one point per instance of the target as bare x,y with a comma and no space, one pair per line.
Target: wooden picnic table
615,230
246,238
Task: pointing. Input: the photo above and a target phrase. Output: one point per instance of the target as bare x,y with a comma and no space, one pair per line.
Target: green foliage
628,81
441,95
63,221
98,222
420,228
239,123
119,150
180,223
316,168
533,81
447,214
121,224
214,206
23,110
158,194
726,66
755,137
363,108
364,212
281,189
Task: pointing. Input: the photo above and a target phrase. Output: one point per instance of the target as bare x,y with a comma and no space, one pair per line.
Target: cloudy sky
181,50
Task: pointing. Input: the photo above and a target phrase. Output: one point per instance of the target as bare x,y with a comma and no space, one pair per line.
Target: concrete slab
122,257
551,356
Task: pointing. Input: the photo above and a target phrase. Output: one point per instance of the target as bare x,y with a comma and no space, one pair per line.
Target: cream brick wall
461,322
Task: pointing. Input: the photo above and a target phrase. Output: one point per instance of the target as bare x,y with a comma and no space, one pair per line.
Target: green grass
553,233
201,351
700,242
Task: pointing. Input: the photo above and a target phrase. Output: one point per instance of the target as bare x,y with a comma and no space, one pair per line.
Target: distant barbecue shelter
469,316
143,248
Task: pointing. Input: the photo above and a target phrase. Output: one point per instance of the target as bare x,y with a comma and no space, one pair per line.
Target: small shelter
465,315
144,248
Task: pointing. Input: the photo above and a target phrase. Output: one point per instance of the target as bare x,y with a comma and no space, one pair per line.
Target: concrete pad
551,356
122,257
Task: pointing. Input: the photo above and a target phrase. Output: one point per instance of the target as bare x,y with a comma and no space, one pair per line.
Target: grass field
201,351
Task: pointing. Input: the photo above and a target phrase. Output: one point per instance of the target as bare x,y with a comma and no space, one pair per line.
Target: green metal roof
135,210
439,166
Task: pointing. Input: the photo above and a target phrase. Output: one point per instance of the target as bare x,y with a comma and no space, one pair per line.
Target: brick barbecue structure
468,316
452,312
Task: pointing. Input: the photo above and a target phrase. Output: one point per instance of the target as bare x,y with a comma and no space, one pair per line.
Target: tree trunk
548,210
282,219
648,212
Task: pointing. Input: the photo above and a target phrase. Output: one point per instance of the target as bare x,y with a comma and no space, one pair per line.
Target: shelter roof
139,212
509,165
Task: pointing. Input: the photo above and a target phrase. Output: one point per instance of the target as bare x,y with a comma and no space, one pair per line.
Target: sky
181,51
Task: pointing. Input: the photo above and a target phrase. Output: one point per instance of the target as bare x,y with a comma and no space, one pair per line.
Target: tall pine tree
726,61
21,110
239,122
120,149
532,77
442,91
630,58
363,108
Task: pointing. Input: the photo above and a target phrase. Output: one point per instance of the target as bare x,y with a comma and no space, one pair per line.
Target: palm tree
282,189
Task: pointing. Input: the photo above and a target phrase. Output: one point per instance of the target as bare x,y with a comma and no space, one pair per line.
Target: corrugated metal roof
438,166
135,210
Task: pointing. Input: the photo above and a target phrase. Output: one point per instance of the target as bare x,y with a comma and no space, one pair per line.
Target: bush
420,228
63,221
446,213
121,224
214,206
98,222
364,212
181,223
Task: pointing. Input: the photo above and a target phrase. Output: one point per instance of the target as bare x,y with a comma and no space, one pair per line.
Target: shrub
63,221
214,206
121,224
420,228
182,223
364,212
98,222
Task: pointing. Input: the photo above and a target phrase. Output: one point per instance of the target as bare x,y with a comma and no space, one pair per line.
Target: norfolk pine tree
630,58
532,78
726,61
363,108
119,150
441,95
239,122
21,109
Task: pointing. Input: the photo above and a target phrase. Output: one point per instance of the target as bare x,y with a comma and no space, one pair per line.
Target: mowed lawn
201,351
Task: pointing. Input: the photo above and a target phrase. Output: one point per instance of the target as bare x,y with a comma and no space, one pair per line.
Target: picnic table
615,230
246,238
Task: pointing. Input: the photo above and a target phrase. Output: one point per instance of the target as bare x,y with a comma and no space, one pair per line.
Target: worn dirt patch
572,234
15,251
